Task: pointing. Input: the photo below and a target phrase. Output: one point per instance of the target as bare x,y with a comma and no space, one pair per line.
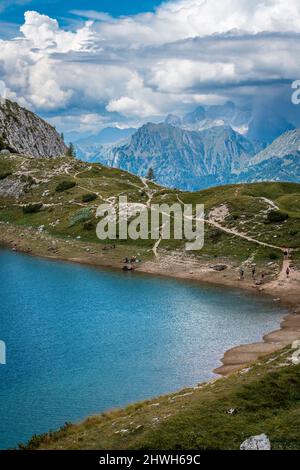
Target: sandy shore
280,289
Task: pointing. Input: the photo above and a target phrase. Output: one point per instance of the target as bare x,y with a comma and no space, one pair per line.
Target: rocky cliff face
287,144
21,131
280,161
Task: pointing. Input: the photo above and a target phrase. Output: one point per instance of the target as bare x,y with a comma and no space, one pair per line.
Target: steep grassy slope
265,399
59,196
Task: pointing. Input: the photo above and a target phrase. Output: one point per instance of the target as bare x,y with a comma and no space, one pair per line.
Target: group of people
253,273
130,263
263,274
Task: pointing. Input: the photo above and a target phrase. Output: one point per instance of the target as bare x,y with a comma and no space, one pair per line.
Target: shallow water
81,340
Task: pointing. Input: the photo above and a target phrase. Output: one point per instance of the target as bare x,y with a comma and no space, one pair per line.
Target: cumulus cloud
150,64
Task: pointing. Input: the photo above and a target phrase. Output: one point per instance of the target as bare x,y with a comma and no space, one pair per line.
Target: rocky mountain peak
22,131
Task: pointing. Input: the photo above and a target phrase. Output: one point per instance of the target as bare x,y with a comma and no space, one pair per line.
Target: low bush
64,185
89,197
32,208
273,256
275,216
82,215
89,225
5,174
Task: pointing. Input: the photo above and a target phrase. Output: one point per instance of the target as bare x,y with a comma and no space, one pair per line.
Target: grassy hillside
264,399
60,196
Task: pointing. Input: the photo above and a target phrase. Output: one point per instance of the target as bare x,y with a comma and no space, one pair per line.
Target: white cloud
44,33
147,65
4,4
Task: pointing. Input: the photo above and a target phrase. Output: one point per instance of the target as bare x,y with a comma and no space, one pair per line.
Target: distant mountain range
204,117
202,149
89,148
182,158
210,146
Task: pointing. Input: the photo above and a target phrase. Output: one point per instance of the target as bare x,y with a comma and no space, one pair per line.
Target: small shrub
273,256
32,208
28,179
5,174
2,143
275,216
82,215
64,185
89,225
215,235
96,170
89,197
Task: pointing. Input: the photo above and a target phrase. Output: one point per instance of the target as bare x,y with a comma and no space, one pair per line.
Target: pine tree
2,143
71,151
150,174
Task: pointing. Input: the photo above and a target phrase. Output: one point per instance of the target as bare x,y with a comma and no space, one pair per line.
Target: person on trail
242,272
253,272
288,271
263,275
286,254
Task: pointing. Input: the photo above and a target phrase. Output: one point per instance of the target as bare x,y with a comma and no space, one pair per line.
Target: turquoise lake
81,340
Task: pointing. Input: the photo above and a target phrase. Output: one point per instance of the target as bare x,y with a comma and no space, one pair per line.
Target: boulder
219,267
260,442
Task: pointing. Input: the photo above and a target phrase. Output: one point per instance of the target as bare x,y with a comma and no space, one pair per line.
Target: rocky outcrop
21,131
260,442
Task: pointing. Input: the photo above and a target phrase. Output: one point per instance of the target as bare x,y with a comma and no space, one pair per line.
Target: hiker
288,271
253,272
286,254
242,272
263,275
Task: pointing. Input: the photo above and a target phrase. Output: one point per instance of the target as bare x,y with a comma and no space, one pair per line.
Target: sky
86,65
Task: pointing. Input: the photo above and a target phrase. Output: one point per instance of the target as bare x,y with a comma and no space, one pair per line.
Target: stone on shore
260,442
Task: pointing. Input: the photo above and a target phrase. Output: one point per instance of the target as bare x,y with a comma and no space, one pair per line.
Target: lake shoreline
284,291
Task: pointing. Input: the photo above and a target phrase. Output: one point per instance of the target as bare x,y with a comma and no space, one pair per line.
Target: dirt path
270,203
241,235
